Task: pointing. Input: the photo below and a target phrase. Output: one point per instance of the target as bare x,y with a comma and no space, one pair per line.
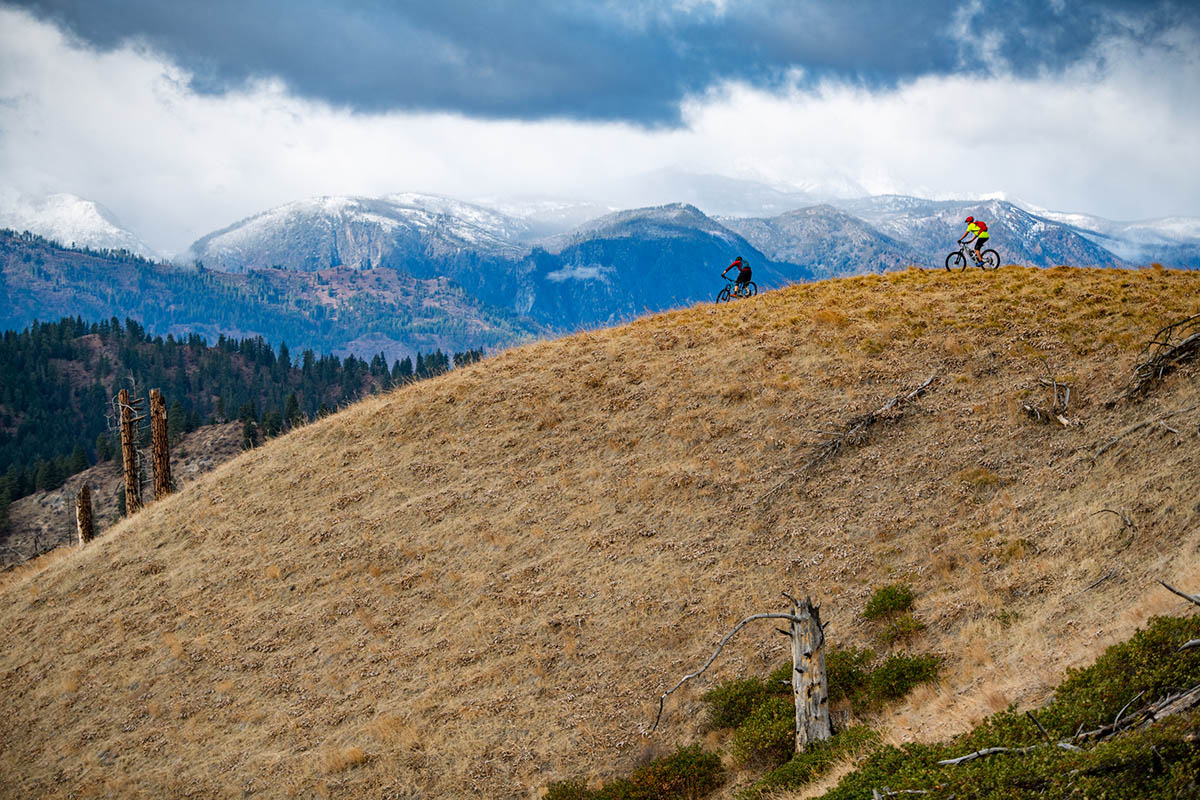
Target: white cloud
1111,137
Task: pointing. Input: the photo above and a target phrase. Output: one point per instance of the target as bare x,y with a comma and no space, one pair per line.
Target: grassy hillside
481,583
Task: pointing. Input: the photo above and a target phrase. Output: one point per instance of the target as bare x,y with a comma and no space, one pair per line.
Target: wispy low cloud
1112,134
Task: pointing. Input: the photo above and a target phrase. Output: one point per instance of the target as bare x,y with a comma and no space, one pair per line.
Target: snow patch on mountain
70,221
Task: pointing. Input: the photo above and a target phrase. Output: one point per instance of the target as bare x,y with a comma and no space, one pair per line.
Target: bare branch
713,657
987,751
1103,578
1117,719
1138,427
1189,645
853,433
1168,348
1039,726
1190,597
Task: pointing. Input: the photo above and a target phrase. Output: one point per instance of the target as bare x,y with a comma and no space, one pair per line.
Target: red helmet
970,219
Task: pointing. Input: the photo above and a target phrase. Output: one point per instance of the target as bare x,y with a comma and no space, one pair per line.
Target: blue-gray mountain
403,272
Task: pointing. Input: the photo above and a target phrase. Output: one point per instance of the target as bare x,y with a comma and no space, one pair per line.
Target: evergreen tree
249,434
176,422
291,412
104,447
79,460
272,424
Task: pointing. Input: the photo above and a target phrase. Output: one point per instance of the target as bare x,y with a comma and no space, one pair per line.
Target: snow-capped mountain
625,264
1169,239
546,216
826,241
404,231
930,228
731,197
71,221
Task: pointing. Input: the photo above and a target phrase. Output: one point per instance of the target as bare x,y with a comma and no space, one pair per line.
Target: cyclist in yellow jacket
971,234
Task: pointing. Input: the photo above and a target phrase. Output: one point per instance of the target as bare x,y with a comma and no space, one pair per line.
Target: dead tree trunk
133,487
158,444
83,515
809,682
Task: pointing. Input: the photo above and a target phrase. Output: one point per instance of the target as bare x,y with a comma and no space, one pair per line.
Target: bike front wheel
991,259
955,262
723,295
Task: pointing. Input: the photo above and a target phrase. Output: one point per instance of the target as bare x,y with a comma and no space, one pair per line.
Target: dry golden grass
483,582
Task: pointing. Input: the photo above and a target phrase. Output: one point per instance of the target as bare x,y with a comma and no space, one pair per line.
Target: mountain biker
981,238
972,235
743,277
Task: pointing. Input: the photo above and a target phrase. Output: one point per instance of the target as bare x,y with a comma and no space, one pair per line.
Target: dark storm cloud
529,59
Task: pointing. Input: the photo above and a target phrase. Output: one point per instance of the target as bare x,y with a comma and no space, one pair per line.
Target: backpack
982,225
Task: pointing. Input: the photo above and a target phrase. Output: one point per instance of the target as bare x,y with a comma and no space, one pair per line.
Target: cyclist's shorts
743,275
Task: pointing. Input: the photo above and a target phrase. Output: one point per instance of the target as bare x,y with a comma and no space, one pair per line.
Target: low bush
768,735
888,601
898,675
730,702
1155,763
689,773
814,762
847,670
901,629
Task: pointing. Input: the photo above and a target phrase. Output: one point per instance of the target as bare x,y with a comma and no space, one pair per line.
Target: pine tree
176,422
291,412
79,460
104,447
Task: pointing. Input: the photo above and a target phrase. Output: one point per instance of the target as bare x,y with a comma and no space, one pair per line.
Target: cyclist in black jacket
743,277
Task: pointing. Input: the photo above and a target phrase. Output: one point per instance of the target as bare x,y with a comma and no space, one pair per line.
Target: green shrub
893,599
568,790
687,774
897,675
814,762
900,629
768,735
1155,763
617,789
730,702
847,670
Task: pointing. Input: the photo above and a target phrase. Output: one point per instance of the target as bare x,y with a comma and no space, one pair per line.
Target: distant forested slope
57,381
337,310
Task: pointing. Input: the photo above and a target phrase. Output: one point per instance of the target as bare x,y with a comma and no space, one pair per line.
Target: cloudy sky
183,117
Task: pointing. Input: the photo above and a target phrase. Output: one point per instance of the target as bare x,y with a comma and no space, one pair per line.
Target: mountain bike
731,290
958,260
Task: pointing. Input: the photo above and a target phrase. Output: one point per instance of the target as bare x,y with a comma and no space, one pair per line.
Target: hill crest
482,583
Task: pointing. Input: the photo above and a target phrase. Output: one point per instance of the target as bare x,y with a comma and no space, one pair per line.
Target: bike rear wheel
955,262
991,259
723,295
750,289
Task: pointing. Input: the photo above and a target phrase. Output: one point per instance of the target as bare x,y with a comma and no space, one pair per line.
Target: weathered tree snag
133,488
83,515
712,658
158,444
809,682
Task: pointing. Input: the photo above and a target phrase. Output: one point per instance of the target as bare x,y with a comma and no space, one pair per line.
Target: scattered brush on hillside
855,431
758,716
1171,346
1106,733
